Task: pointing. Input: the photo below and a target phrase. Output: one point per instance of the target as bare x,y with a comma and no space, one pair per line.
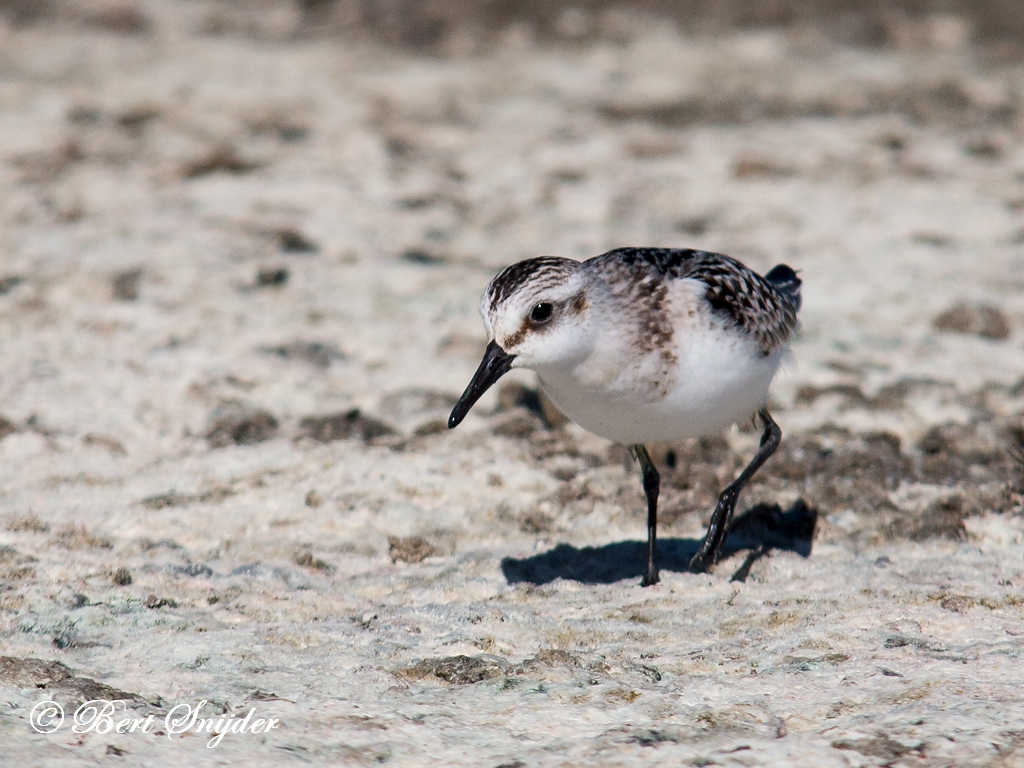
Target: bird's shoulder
765,307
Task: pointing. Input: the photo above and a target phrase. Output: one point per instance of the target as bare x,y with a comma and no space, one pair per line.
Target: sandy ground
215,248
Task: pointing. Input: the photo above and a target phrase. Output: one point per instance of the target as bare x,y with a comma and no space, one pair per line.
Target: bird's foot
702,562
650,579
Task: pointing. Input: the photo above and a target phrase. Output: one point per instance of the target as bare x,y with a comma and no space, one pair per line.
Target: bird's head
537,316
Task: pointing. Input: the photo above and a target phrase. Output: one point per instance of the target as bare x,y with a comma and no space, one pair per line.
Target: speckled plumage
643,345
763,308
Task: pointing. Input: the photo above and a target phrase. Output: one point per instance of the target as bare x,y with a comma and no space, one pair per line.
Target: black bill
495,364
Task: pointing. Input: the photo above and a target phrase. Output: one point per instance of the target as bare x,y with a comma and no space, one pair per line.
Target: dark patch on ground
73,536
536,522
49,165
240,426
409,549
293,241
549,657
934,239
834,469
874,458
513,395
283,127
122,19
418,256
27,522
317,353
950,454
754,166
458,670
518,423
942,519
272,277
137,118
57,679
891,397
983,320
103,441
15,566
7,427
343,426
958,603
430,26
174,499
9,283
308,560
154,602
192,570
921,103
696,472
223,158
881,746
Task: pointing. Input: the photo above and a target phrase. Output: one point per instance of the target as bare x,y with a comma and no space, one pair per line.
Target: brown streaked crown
542,272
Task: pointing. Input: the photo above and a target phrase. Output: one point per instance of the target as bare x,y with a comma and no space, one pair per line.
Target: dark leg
718,528
652,482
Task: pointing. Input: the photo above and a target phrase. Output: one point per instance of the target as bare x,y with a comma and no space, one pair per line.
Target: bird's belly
722,390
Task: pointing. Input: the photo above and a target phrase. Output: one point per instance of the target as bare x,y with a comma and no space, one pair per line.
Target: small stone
318,353
125,285
272,277
419,256
432,427
519,424
307,560
240,426
222,158
410,549
7,427
459,670
9,283
957,603
294,241
536,522
153,602
343,426
983,320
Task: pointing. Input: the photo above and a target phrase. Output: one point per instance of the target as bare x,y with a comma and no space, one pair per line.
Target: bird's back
764,307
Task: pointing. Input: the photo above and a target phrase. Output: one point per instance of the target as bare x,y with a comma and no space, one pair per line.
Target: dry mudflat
238,282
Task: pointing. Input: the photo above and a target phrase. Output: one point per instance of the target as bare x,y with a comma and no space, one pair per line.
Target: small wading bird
643,345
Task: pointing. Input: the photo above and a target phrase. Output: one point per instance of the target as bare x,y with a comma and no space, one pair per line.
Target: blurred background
436,25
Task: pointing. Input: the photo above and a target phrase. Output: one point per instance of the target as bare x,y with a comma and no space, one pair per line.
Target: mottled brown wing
765,307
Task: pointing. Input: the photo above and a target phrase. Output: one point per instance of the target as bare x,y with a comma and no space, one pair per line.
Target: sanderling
643,345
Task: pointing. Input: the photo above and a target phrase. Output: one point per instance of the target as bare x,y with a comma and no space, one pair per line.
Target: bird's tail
784,280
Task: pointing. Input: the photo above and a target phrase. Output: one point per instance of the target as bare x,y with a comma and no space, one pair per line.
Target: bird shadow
760,529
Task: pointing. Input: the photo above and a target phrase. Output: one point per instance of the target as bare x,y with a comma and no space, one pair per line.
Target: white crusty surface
262,575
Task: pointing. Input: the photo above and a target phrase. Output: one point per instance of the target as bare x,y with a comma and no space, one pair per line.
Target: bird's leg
718,528
652,482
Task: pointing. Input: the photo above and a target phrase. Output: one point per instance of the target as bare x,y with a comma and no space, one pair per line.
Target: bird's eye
542,312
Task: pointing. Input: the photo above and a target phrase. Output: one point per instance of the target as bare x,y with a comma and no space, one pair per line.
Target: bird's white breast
713,376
